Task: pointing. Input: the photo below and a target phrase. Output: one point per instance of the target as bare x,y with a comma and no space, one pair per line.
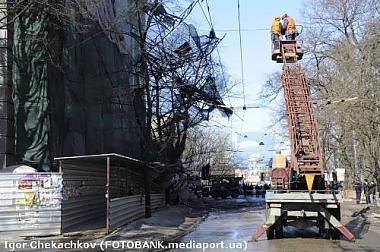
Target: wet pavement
227,227
232,230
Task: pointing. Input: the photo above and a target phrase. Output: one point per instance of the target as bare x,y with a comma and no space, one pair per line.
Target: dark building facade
68,91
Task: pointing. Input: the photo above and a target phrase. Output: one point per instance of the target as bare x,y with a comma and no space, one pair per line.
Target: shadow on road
360,225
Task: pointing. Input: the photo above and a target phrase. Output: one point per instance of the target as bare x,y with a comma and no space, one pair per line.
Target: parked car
206,191
223,187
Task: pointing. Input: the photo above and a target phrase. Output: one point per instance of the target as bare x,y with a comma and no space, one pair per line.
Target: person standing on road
371,192
265,188
245,187
257,190
358,190
365,190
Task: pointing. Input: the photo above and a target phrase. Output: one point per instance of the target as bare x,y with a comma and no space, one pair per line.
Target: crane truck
298,197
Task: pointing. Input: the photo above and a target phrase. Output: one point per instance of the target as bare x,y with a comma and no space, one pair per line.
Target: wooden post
148,210
108,195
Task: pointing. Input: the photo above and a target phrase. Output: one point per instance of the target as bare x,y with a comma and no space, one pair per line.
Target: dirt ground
167,224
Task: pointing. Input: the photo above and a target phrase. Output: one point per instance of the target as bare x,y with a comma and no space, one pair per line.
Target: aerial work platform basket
292,52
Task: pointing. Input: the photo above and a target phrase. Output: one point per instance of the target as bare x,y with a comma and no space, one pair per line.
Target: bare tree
210,146
342,61
180,80
344,46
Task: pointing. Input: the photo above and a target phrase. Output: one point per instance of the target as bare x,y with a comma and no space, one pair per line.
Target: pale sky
256,17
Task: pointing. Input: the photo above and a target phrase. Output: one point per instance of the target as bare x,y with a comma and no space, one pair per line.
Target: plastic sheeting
30,86
86,105
117,16
103,111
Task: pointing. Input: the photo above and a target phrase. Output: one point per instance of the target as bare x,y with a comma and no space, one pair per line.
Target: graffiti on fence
71,190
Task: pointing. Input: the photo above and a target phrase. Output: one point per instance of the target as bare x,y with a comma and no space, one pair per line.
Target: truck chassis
303,209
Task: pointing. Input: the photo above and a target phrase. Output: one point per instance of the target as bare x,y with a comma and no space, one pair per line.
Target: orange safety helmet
277,17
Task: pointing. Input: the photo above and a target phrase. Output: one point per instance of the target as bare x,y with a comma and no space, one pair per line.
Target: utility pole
355,157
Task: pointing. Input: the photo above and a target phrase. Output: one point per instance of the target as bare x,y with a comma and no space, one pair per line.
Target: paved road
232,231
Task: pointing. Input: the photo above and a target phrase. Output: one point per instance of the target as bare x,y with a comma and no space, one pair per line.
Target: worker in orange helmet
289,27
276,32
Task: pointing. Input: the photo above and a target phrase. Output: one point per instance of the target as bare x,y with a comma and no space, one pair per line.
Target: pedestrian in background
365,190
257,190
358,190
372,191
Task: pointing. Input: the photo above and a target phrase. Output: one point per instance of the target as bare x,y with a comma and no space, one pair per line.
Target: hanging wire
209,21
241,53
241,62
217,51
209,14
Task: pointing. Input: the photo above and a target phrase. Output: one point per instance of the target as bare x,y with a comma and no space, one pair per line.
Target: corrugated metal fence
83,202
157,201
98,189
126,209
30,204
103,191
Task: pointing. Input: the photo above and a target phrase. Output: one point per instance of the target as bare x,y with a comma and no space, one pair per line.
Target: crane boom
306,154
290,204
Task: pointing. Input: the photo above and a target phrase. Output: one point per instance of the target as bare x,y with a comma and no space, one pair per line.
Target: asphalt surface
219,225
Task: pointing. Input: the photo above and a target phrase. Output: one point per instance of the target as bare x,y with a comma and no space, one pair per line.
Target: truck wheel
270,233
215,195
325,233
279,232
335,234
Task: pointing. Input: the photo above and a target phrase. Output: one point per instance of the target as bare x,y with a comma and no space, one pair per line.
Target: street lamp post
355,158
